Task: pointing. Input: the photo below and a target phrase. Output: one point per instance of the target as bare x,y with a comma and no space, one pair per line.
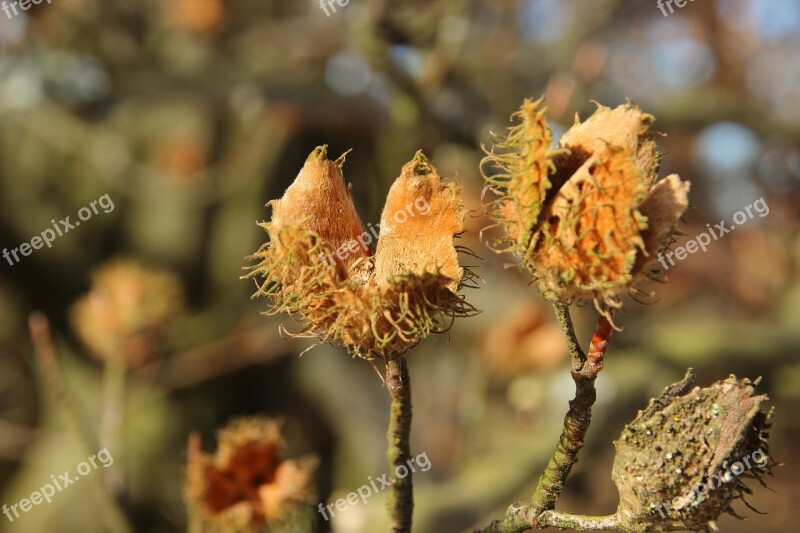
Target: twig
111,423
401,498
520,516
576,422
47,359
580,522
44,351
539,513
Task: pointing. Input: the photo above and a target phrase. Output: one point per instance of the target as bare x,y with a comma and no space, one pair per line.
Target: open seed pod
319,265
683,461
246,485
588,218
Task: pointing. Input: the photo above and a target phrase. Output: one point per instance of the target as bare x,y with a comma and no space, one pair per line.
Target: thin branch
47,359
576,422
565,320
401,498
519,518
111,423
44,351
585,367
580,522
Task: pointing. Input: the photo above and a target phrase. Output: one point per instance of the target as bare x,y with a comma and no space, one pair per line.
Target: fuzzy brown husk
587,219
374,306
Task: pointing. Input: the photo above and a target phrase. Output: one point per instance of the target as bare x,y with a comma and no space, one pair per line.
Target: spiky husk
523,159
663,207
368,320
377,306
582,218
682,450
319,200
591,234
246,485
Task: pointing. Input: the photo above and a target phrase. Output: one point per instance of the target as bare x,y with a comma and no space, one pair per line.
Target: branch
539,513
401,498
111,423
576,422
46,355
519,517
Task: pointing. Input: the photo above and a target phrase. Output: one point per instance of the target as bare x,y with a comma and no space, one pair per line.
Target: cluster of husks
588,218
246,484
319,266
125,314
683,460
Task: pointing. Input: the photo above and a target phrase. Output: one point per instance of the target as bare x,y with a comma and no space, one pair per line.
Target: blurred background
191,114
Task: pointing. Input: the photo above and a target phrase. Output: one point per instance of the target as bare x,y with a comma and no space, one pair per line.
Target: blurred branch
14,439
47,359
45,352
111,423
256,345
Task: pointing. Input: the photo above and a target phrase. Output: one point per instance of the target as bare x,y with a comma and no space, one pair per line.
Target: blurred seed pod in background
126,313
246,485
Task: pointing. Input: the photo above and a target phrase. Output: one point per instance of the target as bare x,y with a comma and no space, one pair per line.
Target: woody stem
401,497
585,368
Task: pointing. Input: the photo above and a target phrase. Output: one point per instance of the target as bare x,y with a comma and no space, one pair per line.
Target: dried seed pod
523,158
246,484
586,220
663,206
683,460
320,201
625,126
419,221
590,236
319,268
126,312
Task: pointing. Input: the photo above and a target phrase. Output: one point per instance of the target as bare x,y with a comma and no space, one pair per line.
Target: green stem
565,320
580,522
576,422
519,518
401,497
